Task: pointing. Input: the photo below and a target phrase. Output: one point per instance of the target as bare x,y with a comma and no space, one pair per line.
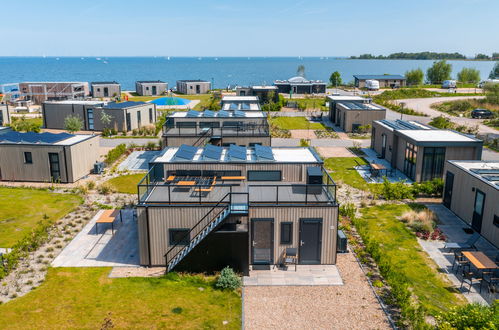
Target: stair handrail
203,135
188,234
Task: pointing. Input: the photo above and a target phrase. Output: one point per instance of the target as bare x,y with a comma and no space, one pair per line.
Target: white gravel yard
349,306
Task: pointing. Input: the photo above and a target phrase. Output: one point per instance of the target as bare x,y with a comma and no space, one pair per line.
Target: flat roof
361,106
31,138
233,98
86,102
264,87
104,83
402,124
436,135
280,155
193,80
338,98
122,105
150,82
54,82
379,76
217,114
486,171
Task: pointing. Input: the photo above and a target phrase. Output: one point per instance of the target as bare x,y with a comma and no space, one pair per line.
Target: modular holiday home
352,112
105,89
201,209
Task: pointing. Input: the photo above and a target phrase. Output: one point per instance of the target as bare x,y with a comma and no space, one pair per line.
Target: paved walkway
372,157
348,306
304,275
452,226
103,249
138,160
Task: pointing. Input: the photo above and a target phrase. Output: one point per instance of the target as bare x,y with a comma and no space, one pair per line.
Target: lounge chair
469,244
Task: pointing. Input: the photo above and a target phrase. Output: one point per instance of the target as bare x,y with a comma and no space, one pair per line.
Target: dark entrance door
310,241
106,92
449,184
262,241
383,145
55,168
1,118
154,90
478,211
128,122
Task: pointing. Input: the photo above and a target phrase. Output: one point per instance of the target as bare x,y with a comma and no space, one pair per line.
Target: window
28,159
209,124
98,89
496,220
264,175
433,163
410,160
179,236
186,124
147,88
286,232
150,115
90,118
139,119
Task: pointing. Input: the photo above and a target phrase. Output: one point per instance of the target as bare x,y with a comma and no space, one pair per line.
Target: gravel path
350,306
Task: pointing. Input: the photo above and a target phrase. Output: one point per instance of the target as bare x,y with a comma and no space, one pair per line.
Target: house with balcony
203,208
222,128
420,151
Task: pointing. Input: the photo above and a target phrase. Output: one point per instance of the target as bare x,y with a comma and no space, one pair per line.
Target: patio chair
460,261
491,278
470,243
291,257
471,278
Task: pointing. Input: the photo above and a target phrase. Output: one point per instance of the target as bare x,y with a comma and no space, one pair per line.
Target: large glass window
411,152
209,124
264,175
186,124
139,119
433,163
179,236
90,118
286,232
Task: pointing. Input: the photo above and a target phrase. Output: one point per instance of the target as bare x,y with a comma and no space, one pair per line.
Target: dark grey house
264,93
300,85
222,128
420,151
151,87
385,80
124,116
201,209
105,89
351,112
189,87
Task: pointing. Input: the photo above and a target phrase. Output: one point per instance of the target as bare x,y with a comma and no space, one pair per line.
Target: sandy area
350,306
327,152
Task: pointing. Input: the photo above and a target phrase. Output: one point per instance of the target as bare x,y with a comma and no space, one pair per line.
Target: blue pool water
171,101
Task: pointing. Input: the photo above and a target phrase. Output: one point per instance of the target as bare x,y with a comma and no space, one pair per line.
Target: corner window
28,159
264,175
286,232
179,236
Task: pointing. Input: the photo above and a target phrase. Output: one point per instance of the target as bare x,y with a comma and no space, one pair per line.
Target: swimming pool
171,101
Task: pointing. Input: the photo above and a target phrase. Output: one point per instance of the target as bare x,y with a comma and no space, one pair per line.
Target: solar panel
238,113
237,152
485,170
208,113
31,137
185,152
263,152
491,177
211,152
193,113
223,113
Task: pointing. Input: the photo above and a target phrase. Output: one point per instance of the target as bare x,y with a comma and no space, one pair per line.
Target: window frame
25,153
281,238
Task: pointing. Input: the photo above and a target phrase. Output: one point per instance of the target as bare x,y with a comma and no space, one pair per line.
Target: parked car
449,84
482,114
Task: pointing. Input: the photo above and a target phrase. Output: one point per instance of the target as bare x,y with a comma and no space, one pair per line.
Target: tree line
425,56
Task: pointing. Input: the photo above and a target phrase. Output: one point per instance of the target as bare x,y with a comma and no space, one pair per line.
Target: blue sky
247,28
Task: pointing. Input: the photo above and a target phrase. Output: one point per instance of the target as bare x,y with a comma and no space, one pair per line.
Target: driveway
424,106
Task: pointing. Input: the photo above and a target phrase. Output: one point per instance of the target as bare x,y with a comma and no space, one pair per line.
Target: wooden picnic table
233,178
186,183
108,216
480,260
170,178
377,169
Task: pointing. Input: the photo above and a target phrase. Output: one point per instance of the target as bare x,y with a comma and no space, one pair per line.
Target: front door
154,90
310,241
449,184
478,211
262,241
383,145
55,167
106,92
128,122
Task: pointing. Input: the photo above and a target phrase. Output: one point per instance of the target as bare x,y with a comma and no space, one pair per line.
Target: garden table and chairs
487,271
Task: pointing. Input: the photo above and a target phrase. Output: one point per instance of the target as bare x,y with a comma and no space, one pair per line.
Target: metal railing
240,130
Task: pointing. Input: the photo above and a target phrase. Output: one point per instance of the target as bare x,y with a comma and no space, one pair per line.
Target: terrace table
186,183
233,178
108,216
377,169
480,260
170,178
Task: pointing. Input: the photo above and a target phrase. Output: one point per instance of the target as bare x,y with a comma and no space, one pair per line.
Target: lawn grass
83,297
343,170
310,103
22,208
400,249
295,123
126,184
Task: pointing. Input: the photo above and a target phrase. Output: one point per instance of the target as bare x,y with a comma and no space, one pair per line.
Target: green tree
335,78
495,56
301,70
442,123
492,93
482,57
469,75
438,72
494,74
414,77
22,124
73,124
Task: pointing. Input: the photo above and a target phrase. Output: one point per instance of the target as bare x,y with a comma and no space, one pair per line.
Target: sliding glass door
433,163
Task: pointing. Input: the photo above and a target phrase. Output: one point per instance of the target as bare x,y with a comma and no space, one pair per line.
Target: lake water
222,71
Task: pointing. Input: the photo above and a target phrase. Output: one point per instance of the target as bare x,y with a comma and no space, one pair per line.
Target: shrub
348,210
470,316
304,143
104,189
396,191
90,185
228,280
115,153
434,187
